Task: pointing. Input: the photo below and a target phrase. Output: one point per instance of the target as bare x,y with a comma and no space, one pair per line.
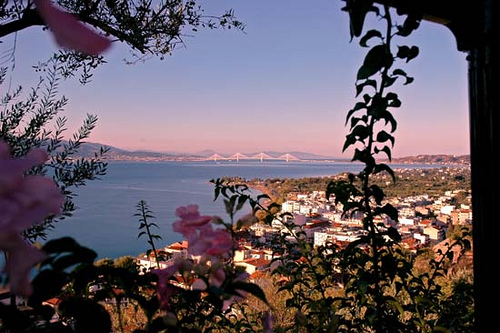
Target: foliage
371,285
145,214
410,182
25,124
332,289
195,293
148,28
381,291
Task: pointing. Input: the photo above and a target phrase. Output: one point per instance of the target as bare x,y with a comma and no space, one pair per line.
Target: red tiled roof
179,245
257,262
257,275
53,301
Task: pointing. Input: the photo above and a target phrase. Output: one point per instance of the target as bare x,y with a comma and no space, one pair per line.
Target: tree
25,124
150,29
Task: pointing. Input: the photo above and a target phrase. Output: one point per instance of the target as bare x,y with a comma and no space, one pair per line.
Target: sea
104,217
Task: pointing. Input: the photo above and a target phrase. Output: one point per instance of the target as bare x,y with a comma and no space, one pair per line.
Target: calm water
104,219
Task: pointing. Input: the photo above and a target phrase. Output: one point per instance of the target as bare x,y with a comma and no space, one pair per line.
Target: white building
404,221
447,209
422,238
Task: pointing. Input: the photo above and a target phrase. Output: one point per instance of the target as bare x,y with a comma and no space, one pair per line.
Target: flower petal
20,260
69,32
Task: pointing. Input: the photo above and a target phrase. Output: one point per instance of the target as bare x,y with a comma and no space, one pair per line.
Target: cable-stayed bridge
259,156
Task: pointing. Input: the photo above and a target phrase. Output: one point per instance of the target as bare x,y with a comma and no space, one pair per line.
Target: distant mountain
434,159
309,156
88,149
207,153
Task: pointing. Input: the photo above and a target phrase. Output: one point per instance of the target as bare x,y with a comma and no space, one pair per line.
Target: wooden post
484,144
472,23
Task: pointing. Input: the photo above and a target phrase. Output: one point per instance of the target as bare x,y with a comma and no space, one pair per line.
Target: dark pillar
485,169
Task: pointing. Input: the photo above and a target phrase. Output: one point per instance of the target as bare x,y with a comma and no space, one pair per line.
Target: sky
284,84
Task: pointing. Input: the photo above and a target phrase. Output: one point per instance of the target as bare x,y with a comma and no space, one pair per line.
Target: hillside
88,149
434,159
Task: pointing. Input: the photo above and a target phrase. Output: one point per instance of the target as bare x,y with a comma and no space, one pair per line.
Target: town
424,221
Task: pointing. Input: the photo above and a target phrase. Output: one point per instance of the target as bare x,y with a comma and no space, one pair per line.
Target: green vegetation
409,182
373,284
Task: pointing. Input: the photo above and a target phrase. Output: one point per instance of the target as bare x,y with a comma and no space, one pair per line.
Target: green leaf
263,196
361,132
369,35
396,103
386,150
66,261
377,58
389,118
411,23
361,86
90,316
409,80
400,72
350,140
242,199
440,329
378,106
413,53
405,52
383,136
388,210
216,192
397,305
63,244
363,156
358,106
46,284
229,205
384,167
377,194
389,81
393,234
250,288
354,121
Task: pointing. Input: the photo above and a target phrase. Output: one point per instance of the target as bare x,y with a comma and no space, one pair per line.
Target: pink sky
284,85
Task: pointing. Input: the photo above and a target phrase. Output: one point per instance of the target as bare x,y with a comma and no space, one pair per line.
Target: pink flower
238,294
69,32
30,203
24,201
20,259
300,220
12,170
217,277
211,242
164,288
198,284
268,322
190,220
